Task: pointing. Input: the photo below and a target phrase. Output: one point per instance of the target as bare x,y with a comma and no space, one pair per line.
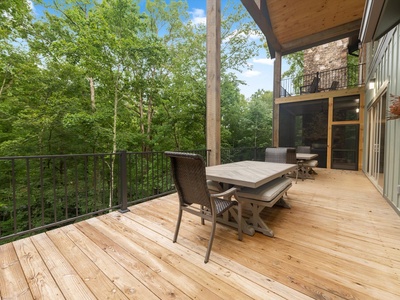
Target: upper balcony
329,80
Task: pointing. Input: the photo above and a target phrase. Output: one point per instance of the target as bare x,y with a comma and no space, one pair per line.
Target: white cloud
251,73
256,35
198,16
31,6
264,61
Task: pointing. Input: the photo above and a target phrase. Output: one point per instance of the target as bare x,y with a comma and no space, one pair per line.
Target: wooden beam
329,134
332,34
276,93
259,12
214,81
322,95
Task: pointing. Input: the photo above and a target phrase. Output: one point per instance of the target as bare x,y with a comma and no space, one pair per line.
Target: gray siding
384,65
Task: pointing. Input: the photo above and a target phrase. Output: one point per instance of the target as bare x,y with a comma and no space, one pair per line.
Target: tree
260,119
102,76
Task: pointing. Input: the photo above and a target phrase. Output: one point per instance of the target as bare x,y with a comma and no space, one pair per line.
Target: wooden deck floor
340,240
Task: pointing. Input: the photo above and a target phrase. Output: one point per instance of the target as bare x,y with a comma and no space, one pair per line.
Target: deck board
340,240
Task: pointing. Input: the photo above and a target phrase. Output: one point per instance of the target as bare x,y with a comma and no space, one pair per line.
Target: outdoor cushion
267,192
310,163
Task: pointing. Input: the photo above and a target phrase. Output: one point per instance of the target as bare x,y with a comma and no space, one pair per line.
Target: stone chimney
326,57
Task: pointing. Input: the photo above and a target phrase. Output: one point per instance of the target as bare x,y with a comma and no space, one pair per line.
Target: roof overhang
290,26
379,17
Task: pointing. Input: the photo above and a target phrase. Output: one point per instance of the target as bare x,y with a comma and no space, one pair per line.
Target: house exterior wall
324,59
383,65
328,56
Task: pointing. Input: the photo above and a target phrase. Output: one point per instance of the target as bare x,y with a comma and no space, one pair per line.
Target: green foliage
247,123
96,76
296,69
14,18
93,76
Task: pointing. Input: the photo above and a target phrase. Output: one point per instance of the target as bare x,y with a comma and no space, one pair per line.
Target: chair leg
240,234
178,224
210,242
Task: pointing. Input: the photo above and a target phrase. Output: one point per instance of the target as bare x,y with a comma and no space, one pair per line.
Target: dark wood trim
259,12
323,37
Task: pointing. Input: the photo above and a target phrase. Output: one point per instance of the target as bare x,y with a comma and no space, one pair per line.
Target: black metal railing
335,79
39,192
239,154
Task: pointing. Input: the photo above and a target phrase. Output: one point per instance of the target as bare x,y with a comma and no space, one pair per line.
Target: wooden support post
214,80
276,95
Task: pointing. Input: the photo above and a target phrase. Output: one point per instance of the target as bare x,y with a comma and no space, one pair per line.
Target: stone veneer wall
329,56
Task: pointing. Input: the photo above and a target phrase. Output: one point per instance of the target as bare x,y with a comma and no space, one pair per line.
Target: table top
306,156
248,173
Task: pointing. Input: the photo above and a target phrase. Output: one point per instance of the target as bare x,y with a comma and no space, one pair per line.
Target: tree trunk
149,120
141,116
92,98
114,139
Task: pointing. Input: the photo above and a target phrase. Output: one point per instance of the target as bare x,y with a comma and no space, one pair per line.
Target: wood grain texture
40,280
251,174
294,20
13,284
339,240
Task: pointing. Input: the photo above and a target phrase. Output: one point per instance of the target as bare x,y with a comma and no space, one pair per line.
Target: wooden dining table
304,157
251,174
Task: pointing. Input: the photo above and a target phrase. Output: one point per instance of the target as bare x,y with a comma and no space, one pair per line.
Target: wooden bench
266,195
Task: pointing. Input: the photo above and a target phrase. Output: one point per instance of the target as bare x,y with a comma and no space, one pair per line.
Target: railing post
123,181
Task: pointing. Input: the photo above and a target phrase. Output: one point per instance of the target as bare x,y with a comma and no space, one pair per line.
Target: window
346,108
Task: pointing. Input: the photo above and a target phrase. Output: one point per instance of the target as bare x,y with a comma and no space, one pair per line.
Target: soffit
293,25
380,16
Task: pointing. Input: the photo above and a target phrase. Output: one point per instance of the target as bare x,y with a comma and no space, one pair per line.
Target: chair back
303,149
277,155
189,174
314,85
291,156
334,85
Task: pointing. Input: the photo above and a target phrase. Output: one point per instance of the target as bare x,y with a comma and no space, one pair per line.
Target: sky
261,74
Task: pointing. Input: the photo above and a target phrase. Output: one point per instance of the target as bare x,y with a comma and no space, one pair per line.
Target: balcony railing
335,79
239,154
40,192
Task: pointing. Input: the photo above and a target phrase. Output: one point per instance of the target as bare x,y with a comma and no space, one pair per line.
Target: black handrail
328,80
40,192
45,191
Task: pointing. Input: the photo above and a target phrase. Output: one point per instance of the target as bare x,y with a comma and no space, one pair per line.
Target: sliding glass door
345,132
345,146
376,140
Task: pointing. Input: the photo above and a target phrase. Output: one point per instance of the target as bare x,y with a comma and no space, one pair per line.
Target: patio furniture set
217,193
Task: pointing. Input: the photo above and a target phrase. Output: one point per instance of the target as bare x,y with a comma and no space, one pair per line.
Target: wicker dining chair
189,174
282,155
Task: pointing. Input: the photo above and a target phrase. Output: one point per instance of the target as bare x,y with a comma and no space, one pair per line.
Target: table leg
232,214
257,222
282,203
305,174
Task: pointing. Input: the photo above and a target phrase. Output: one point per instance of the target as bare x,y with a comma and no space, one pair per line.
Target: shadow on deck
340,240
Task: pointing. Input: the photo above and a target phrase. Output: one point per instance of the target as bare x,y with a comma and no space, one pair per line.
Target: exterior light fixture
371,83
